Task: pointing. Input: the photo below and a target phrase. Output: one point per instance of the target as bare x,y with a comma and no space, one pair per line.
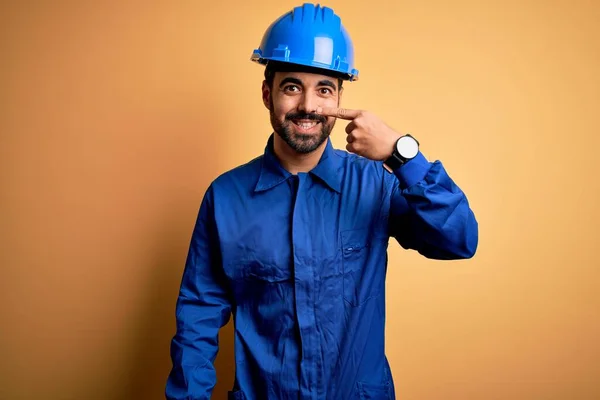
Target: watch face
407,147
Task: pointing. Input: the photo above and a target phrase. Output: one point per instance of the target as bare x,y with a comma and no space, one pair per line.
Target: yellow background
115,117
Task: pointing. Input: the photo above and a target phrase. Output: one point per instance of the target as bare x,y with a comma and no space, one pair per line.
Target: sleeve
203,308
429,213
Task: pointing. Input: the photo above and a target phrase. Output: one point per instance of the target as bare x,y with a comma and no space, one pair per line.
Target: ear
266,94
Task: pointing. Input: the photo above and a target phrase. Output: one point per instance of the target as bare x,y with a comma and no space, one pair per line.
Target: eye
325,91
291,88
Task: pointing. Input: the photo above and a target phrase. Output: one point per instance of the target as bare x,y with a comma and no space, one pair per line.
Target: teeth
306,125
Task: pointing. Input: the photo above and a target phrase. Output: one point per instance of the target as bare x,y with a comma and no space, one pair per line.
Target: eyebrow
290,80
327,82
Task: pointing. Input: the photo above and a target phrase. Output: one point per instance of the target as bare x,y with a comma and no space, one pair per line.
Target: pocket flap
354,240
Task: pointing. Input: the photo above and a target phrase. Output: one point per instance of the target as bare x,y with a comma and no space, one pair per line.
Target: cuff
412,171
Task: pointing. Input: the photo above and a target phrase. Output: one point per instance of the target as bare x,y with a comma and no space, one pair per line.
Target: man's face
292,101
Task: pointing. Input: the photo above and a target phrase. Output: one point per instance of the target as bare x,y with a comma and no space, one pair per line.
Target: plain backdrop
116,116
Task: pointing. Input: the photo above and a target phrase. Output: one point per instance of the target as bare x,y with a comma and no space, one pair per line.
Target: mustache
309,116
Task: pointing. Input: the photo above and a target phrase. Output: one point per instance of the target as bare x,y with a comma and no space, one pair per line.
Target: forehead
307,78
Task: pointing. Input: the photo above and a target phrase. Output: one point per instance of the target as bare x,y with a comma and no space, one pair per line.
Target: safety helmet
312,36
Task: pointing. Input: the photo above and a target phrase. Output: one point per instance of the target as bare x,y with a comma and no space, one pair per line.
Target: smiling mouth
305,124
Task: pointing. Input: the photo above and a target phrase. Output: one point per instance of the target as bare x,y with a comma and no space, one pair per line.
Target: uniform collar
272,173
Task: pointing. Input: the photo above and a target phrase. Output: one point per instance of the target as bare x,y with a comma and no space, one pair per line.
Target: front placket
304,290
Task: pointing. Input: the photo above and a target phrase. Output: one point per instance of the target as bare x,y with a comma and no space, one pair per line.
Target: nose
308,103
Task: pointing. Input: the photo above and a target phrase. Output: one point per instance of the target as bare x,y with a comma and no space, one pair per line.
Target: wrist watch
406,148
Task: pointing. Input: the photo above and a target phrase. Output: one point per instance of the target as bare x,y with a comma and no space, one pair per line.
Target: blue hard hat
311,36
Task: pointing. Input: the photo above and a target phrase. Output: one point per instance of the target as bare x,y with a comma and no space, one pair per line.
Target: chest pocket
254,267
256,255
364,258
259,280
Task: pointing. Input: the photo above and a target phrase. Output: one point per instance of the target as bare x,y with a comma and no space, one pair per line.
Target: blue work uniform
300,262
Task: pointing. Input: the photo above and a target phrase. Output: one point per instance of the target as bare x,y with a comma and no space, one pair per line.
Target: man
294,243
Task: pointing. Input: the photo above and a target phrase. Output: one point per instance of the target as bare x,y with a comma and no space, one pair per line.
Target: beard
300,142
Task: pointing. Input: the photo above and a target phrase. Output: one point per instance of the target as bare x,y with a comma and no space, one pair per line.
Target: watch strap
396,160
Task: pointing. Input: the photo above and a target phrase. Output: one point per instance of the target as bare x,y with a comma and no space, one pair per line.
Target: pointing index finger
343,113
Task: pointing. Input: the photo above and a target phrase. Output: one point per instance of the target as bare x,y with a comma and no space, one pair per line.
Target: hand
368,136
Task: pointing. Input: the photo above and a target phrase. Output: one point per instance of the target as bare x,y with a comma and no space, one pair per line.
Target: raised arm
429,213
